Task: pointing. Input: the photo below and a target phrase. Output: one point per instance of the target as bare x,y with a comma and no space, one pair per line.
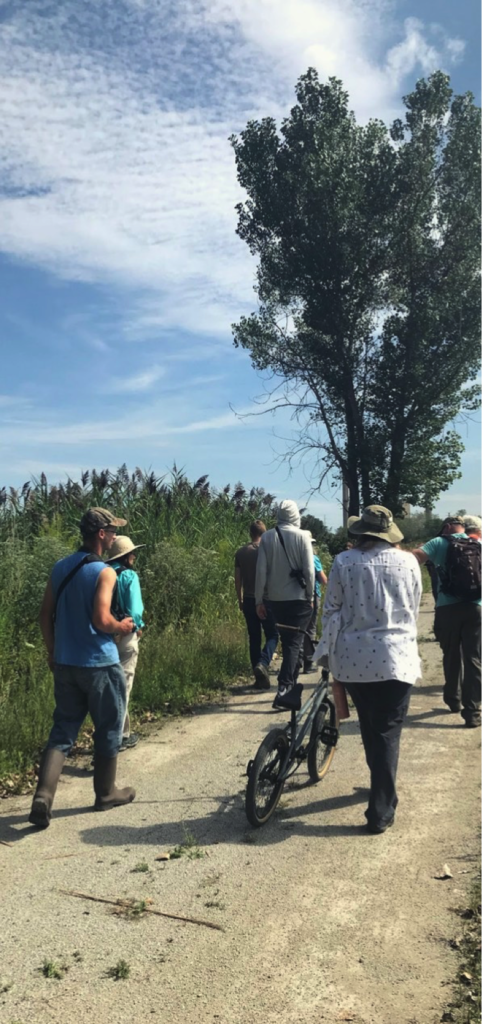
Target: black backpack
115,607
461,575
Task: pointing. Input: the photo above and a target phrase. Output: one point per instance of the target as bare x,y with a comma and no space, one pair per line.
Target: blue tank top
76,640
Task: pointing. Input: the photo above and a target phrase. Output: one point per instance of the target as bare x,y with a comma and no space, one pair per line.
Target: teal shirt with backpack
438,551
127,597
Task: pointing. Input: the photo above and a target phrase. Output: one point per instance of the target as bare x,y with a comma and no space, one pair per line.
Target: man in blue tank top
78,626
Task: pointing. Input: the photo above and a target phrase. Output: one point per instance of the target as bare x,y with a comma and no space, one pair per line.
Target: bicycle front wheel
264,786
321,754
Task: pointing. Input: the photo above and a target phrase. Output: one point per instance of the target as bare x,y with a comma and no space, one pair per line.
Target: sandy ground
322,922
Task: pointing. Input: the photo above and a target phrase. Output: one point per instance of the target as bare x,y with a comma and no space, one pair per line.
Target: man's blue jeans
101,692
255,625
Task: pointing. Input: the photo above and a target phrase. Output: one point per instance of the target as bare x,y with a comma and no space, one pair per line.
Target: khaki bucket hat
121,547
375,521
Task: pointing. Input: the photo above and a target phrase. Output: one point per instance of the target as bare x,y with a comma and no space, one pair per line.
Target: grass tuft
50,969
188,848
120,971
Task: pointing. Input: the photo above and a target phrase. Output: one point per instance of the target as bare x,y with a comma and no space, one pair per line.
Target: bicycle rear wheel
321,754
264,788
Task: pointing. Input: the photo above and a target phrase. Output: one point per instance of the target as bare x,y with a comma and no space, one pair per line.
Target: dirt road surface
322,922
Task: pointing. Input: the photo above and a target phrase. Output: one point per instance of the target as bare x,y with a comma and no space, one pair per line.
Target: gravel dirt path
322,922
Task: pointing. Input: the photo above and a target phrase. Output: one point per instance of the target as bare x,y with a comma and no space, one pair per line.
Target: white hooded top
274,566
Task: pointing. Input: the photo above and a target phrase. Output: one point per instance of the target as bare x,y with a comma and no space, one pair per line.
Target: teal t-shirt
318,568
436,550
129,594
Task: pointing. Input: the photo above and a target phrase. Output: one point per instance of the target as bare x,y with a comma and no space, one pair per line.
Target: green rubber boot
49,775
107,795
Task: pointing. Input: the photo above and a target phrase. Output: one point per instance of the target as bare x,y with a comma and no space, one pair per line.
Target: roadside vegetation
194,641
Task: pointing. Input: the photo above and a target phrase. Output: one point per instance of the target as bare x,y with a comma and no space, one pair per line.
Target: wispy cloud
133,383
115,163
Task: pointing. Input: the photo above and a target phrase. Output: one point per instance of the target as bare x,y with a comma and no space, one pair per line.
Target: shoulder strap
280,535
73,572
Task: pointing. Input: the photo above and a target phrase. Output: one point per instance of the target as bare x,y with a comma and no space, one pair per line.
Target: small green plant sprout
138,909
120,972
141,867
50,969
188,848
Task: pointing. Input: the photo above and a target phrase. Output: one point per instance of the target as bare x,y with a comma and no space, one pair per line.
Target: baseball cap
99,519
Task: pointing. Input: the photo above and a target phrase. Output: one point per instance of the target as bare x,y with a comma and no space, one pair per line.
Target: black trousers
382,709
254,626
291,613
457,629
311,629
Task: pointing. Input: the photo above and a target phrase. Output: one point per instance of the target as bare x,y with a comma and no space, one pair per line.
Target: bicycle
283,750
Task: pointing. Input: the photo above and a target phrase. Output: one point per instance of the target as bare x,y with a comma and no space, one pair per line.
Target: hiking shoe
377,830
40,814
473,722
308,666
288,698
261,677
129,741
454,706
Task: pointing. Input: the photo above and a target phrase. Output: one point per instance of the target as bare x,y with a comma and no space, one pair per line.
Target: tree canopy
367,239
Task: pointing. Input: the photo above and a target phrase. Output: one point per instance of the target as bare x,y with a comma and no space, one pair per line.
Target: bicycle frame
308,711
295,750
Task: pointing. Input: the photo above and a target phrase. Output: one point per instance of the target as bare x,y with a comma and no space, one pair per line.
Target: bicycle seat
290,702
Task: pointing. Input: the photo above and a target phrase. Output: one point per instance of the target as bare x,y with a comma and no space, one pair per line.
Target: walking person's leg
308,646
253,625
128,647
71,708
471,682
448,633
291,613
271,637
107,706
384,709
360,698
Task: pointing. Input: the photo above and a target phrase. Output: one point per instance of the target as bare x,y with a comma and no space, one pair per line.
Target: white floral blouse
370,616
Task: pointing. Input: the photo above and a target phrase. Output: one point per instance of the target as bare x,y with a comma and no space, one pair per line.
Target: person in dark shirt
245,562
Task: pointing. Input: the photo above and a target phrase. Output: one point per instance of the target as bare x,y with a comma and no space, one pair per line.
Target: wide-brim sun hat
121,547
350,521
376,521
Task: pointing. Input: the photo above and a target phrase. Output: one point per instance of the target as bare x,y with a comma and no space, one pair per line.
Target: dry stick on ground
3,843
148,910
61,856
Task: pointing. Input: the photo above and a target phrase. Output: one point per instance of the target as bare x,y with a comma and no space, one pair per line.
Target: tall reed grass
195,636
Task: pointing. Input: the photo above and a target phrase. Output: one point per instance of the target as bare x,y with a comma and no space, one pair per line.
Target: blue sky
120,269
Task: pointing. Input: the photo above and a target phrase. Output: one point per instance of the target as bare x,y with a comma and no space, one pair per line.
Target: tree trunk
391,498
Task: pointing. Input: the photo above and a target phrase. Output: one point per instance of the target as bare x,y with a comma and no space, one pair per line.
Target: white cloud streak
133,383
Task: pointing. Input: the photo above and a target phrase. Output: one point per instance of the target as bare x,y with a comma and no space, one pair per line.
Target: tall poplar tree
367,240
